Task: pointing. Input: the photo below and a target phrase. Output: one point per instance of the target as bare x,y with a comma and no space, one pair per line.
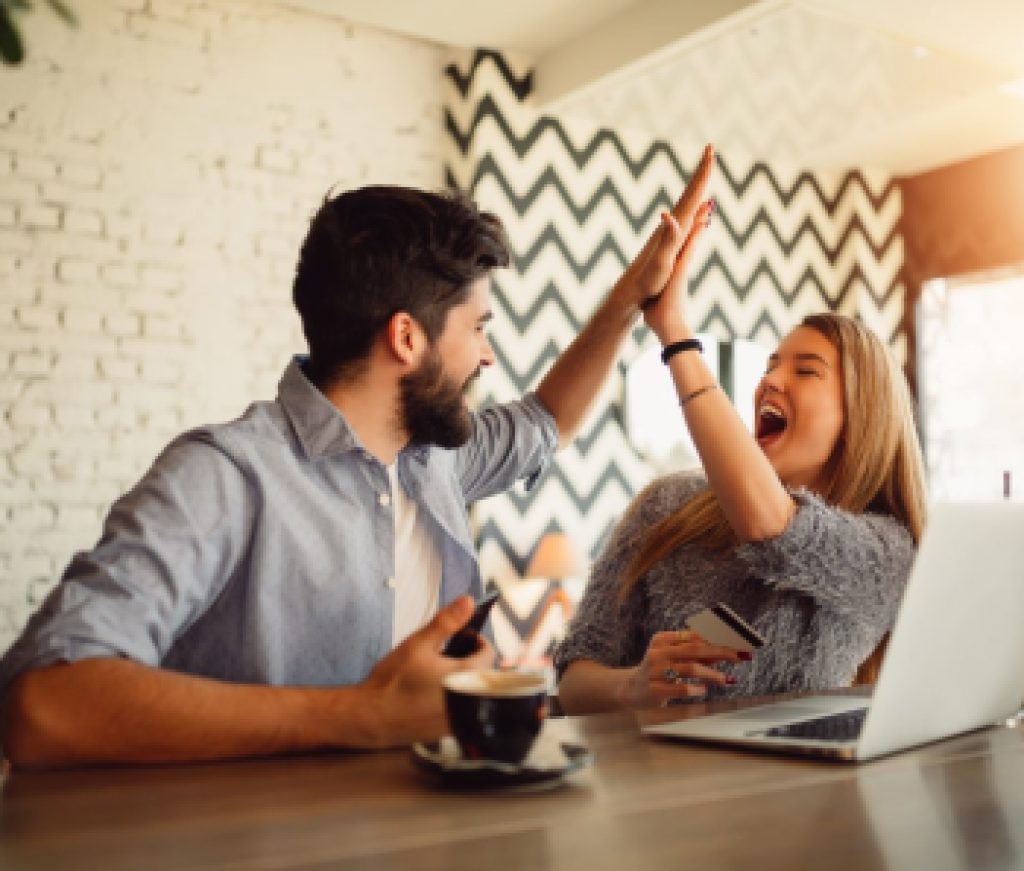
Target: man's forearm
571,386
114,710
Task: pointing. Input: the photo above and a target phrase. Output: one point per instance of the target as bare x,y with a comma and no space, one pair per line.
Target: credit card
721,625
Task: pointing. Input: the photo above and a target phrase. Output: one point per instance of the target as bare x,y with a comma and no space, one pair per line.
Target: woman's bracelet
696,393
675,347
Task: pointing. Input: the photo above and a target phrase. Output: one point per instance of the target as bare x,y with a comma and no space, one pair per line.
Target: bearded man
287,581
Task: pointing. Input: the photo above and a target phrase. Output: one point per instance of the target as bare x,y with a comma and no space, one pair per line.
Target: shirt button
384,500
390,582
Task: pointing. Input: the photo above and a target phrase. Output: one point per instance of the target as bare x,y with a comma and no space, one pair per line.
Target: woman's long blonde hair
875,466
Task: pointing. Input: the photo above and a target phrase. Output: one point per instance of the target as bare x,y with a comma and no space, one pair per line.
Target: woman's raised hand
663,260
675,666
665,314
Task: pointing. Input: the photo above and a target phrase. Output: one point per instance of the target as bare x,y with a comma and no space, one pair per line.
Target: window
971,368
654,421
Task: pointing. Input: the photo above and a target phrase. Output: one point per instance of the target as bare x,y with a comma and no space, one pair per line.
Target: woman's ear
406,339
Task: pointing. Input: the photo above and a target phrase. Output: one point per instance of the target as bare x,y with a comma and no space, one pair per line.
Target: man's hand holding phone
467,639
401,700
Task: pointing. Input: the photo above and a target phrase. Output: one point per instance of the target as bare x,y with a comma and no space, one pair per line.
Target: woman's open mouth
771,424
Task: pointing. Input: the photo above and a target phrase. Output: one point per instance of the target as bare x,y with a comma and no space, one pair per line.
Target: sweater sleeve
855,565
607,628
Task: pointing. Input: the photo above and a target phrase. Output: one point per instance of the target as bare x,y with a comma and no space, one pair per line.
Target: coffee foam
496,683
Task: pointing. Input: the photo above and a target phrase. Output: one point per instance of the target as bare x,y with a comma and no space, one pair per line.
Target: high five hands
658,273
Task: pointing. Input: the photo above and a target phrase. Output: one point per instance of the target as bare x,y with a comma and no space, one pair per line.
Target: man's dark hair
378,250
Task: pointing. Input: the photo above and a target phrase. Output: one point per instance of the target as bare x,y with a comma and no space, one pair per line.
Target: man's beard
431,405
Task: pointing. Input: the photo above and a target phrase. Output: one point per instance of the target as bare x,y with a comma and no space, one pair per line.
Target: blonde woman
806,529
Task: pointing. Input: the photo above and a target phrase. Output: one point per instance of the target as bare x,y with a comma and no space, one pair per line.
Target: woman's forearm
752,497
587,687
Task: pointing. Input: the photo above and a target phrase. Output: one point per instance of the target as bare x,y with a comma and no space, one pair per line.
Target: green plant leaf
11,49
64,11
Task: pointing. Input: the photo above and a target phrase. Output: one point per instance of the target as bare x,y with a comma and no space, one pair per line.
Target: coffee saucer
544,768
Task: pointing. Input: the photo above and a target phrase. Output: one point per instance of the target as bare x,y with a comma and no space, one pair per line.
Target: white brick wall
158,167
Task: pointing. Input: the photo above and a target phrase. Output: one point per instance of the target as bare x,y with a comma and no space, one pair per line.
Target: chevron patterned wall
577,203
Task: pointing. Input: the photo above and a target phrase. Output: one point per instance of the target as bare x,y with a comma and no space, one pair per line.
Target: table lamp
557,558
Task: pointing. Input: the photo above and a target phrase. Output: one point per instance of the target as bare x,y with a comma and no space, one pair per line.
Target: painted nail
745,656
730,680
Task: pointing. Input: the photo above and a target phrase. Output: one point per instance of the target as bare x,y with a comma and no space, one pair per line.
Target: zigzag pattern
607,194
519,86
577,203
581,270
487,111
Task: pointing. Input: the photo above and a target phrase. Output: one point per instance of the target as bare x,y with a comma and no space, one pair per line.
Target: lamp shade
556,557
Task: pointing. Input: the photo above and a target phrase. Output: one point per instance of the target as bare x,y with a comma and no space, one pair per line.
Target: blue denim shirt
259,550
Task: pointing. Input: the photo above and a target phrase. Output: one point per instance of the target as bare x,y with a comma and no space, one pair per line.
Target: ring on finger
671,675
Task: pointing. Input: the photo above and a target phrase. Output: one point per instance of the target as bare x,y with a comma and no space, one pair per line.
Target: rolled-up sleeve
168,547
508,442
855,565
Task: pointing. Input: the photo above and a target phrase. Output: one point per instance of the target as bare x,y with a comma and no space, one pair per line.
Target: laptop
955,660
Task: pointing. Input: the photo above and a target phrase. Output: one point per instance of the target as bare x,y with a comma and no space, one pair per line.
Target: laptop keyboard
834,727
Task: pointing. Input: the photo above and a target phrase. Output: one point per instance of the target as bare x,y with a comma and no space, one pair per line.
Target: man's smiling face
433,406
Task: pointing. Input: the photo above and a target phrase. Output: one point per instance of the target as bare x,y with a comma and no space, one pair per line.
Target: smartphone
465,641
721,625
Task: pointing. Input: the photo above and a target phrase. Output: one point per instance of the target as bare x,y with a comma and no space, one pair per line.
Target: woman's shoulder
873,522
822,529
665,494
894,536
654,503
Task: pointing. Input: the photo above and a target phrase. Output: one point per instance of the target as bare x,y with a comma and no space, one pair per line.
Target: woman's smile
799,408
771,423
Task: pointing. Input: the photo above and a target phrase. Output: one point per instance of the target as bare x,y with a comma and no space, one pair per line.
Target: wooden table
644,804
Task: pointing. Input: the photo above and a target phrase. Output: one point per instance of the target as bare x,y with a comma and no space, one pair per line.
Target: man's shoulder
263,421
262,426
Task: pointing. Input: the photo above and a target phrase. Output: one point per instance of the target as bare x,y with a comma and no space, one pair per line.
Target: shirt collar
321,429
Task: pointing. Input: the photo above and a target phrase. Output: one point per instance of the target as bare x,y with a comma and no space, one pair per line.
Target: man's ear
406,338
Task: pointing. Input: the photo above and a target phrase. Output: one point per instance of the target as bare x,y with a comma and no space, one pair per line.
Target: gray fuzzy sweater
823,593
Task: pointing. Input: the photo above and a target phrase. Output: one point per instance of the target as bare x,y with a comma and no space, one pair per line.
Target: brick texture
158,167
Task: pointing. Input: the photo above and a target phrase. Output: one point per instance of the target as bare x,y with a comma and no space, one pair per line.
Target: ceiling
902,85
